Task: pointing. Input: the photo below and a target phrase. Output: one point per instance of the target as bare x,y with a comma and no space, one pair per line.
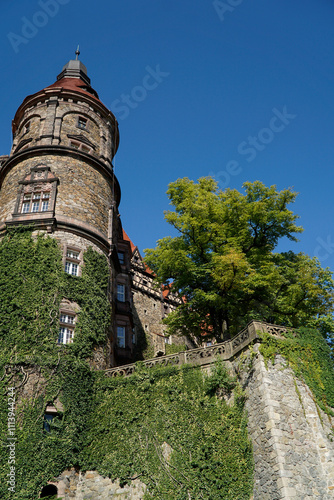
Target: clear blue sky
227,71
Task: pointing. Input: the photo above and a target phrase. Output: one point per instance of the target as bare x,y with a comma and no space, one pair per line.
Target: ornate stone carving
240,338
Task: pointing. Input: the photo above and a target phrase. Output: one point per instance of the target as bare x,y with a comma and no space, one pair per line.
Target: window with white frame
121,336
121,292
72,254
71,268
66,329
67,318
65,335
35,202
72,261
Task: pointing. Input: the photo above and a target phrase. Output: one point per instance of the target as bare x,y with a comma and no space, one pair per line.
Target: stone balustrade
205,355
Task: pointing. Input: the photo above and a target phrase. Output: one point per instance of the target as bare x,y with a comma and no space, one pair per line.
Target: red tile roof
126,238
73,84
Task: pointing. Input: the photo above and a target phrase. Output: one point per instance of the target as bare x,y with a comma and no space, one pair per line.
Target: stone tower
59,177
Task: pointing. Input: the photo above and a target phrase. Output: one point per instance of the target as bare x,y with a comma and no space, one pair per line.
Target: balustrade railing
205,355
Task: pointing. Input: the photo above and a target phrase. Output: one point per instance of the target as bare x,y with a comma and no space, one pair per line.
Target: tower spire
75,69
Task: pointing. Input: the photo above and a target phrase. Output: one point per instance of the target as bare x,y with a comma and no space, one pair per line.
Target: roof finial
77,53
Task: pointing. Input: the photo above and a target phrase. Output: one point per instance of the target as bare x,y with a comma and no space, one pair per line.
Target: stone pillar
49,122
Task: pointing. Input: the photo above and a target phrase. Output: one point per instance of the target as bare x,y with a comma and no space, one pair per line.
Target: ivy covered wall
139,419
118,427
170,428
32,285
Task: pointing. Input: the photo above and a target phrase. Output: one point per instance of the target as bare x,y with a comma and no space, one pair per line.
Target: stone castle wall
73,485
147,316
53,118
292,438
83,193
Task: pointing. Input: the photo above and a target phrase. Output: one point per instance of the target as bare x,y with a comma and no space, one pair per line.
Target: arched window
49,490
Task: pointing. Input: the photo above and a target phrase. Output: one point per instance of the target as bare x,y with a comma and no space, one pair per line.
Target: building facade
59,177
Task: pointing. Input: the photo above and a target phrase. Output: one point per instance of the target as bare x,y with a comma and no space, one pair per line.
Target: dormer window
81,147
82,123
75,145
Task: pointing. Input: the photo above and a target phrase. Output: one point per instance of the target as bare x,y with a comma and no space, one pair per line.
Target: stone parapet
205,355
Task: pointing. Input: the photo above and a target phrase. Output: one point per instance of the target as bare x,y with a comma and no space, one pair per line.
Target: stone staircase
205,355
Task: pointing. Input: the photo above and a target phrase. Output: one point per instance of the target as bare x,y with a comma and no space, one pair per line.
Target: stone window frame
80,146
70,260
82,123
121,328
67,326
121,295
39,180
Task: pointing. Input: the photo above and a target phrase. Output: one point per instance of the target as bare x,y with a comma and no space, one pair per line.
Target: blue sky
244,92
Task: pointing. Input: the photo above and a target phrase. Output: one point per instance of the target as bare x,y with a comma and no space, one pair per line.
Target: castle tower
59,177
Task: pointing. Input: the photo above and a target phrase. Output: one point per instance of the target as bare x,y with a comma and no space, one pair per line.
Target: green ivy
135,418
309,355
116,426
32,285
174,348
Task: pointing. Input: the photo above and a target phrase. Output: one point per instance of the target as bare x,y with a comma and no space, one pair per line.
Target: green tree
224,267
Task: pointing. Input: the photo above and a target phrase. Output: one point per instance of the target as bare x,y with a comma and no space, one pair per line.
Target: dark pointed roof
74,77
74,69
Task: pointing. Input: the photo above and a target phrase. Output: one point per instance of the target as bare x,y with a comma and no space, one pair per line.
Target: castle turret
59,173
59,177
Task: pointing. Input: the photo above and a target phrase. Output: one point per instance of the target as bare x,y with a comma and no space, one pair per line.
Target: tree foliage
224,266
